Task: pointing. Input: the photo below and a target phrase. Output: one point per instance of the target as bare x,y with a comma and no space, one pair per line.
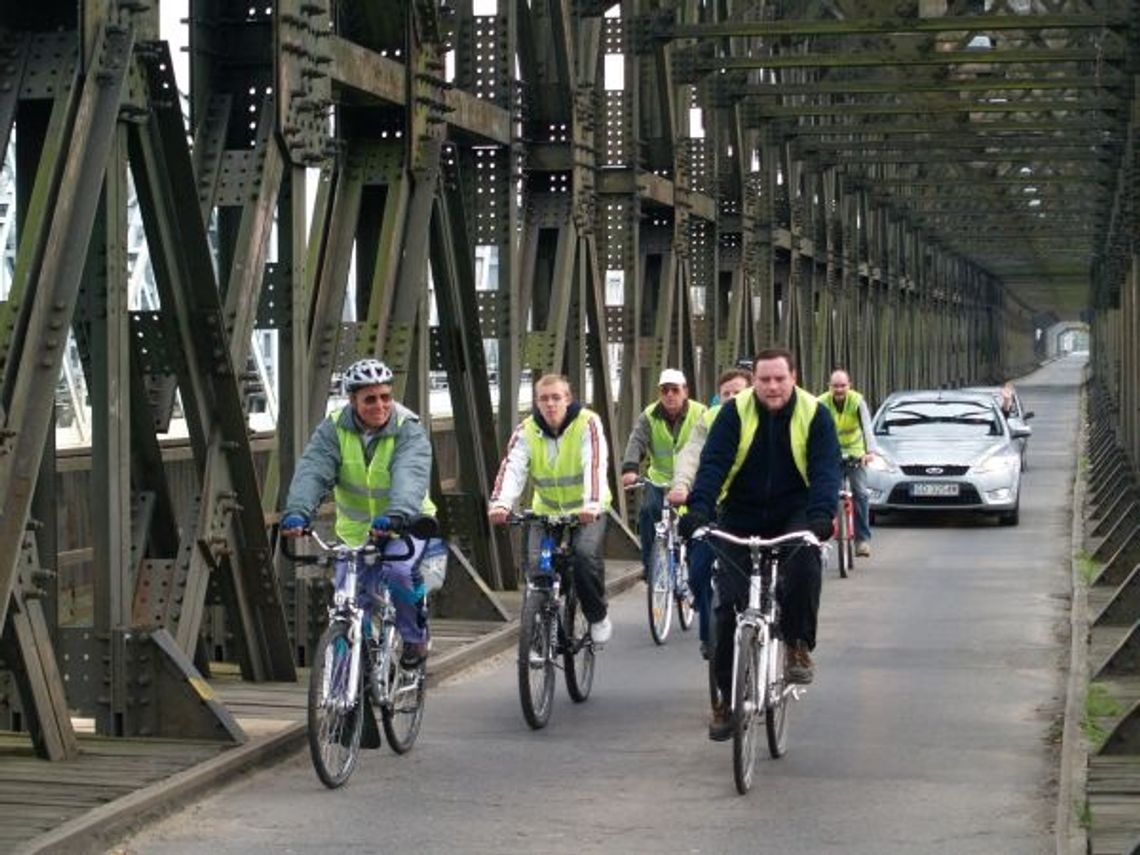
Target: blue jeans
700,583
858,477
652,500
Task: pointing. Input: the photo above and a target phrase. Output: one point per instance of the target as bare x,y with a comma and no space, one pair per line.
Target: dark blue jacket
768,496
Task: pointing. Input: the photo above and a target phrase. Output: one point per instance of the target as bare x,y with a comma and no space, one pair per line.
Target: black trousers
797,591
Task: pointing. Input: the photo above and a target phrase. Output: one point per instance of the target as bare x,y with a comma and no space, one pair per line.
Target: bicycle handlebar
549,520
755,541
328,547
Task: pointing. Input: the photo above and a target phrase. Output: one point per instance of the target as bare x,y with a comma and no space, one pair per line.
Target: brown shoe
720,723
798,666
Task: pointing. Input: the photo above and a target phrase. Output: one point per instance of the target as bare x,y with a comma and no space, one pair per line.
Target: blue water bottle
546,555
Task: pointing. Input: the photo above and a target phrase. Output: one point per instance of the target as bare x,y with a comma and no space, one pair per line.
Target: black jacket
768,496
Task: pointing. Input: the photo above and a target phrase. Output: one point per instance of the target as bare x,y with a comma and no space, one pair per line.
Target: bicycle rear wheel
536,659
659,593
745,711
334,725
578,652
404,711
776,701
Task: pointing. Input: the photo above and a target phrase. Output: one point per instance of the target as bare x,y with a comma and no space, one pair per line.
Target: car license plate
934,489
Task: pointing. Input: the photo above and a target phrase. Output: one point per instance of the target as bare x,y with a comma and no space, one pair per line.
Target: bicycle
552,624
845,519
667,577
357,660
759,685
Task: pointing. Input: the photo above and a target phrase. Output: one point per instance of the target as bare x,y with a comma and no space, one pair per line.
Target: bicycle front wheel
536,659
404,711
843,541
578,652
776,700
659,593
335,723
745,711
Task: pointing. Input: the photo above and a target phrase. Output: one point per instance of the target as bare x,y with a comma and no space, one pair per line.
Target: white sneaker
601,631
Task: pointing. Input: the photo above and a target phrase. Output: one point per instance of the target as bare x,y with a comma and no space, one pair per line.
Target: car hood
927,450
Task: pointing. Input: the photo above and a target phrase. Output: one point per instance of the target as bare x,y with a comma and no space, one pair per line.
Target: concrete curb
98,829
1070,834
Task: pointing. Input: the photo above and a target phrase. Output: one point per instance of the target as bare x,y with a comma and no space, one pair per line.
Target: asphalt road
931,728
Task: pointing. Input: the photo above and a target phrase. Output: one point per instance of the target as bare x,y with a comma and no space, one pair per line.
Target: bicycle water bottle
546,555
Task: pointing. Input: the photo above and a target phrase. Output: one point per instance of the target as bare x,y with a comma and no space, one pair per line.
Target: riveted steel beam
867,59
895,25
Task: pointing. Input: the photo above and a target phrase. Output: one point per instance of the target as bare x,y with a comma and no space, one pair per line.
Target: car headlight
994,463
881,463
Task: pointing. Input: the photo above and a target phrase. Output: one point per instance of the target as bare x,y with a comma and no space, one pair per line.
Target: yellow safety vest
559,484
662,446
362,490
802,415
847,423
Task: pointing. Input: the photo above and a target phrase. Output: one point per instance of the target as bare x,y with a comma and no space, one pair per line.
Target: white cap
672,376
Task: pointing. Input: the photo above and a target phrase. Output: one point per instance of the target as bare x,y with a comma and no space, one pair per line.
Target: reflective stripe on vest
847,423
363,491
662,446
800,427
559,484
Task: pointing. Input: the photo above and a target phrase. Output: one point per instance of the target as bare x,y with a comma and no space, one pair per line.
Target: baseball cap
672,376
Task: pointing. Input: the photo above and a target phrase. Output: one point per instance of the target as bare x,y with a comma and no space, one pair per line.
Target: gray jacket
318,467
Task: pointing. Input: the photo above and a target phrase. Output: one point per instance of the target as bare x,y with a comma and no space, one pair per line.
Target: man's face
730,388
840,383
773,381
673,397
373,405
553,401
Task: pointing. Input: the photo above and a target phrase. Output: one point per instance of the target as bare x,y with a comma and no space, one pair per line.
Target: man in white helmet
375,457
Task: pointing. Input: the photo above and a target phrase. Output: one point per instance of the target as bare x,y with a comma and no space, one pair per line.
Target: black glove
690,522
822,527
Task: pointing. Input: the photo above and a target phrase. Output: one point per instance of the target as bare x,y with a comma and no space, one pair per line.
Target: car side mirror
1018,429
1027,416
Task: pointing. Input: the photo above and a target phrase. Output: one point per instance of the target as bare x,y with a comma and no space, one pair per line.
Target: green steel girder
902,86
759,112
893,129
1050,57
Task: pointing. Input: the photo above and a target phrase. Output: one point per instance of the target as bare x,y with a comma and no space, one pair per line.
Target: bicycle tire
334,734
843,536
578,650
659,593
684,597
403,714
776,702
745,711
536,660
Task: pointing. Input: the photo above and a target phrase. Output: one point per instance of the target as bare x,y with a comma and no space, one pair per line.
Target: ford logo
934,470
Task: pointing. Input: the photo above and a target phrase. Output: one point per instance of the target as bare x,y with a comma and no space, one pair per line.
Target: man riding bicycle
770,465
684,471
375,457
661,431
856,440
561,446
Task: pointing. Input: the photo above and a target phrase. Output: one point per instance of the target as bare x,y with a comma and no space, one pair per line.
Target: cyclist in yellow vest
770,465
562,448
700,559
660,432
856,439
375,457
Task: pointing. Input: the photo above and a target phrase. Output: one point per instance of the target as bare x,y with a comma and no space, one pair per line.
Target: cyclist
856,439
770,465
561,447
375,457
729,383
661,430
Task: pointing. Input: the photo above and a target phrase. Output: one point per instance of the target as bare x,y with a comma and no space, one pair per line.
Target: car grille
967,495
947,471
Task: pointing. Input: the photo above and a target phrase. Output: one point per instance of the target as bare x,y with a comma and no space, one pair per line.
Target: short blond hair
551,379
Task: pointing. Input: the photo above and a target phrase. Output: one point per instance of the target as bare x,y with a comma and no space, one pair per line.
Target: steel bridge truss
662,184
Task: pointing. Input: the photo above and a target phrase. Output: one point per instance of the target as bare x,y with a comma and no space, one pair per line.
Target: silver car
945,450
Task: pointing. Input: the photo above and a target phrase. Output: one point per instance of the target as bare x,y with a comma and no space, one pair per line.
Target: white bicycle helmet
366,372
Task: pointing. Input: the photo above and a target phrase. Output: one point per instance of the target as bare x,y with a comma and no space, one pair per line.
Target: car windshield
938,419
